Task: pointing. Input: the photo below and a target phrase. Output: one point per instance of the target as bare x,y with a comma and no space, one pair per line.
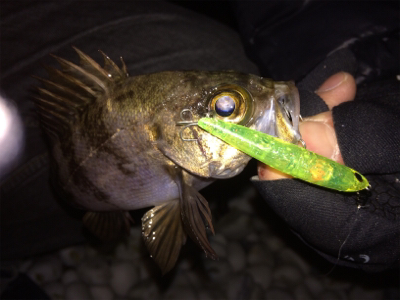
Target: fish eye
358,177
231,103
224,106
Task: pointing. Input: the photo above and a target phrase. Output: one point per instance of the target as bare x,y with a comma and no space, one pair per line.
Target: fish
122,143
286,157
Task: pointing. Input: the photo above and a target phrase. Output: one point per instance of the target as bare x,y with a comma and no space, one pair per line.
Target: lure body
286,157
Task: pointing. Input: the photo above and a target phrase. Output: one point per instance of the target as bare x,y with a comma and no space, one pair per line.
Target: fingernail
332,83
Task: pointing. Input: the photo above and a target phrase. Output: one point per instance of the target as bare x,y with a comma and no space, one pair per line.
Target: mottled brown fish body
117,145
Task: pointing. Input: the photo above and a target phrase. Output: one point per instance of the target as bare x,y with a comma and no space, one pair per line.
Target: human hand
318,131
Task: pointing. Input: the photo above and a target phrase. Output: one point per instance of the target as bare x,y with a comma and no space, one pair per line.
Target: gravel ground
259,258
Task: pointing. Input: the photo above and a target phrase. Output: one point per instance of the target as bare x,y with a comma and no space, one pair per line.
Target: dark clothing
366,237
309,41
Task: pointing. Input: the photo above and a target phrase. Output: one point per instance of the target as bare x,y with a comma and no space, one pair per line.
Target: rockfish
123,143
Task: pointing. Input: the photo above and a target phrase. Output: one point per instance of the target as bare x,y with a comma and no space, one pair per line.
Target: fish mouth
281,118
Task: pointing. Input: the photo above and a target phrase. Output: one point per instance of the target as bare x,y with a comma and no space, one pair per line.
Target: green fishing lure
286,157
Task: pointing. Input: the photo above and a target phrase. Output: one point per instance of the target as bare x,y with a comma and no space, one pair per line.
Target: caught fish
124,143
287,158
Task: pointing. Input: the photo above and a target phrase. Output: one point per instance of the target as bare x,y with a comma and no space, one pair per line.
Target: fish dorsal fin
70,90
163,234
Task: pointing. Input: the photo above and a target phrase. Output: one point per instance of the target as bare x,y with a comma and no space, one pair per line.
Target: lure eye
358,177
225,106
231,103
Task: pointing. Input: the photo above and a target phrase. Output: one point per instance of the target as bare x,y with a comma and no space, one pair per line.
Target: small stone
90,252
217,270
101,292
236,256
235,225
252,238
203,295
240,286
262,275
301,292
180,292
219,238
69,276
72,256
94,271
218,243
286,276
145,290
314,285
278,294
25,266
185,264
336,284
260,225
181,279
259,254
46,269
331,295
220,250
131,250
289,256
144,270
55,290
359,292
124,275
77,290
272,242
241,204
257,293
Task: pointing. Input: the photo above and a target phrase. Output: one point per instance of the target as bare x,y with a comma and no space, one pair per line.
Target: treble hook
185,124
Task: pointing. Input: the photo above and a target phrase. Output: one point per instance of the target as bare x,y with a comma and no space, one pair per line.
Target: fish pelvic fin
163,234
196,215
70,90
108,226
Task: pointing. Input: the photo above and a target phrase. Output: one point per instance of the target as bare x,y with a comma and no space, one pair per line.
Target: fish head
245,99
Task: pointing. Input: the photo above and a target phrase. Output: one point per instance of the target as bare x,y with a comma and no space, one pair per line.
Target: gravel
256,262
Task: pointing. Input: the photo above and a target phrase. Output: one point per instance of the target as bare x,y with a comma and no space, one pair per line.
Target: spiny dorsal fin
72,89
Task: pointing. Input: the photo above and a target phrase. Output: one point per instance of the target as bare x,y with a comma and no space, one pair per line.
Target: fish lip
285,112
295,111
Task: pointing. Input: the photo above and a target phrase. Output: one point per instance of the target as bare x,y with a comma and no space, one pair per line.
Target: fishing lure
286,157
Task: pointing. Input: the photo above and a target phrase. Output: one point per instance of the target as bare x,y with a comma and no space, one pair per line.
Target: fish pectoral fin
108,225
196,216
163,234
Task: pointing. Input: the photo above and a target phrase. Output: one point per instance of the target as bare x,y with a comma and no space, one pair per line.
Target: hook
303,143
185,124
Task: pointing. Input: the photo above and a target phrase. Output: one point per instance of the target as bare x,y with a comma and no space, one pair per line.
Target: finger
319,134
337,89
